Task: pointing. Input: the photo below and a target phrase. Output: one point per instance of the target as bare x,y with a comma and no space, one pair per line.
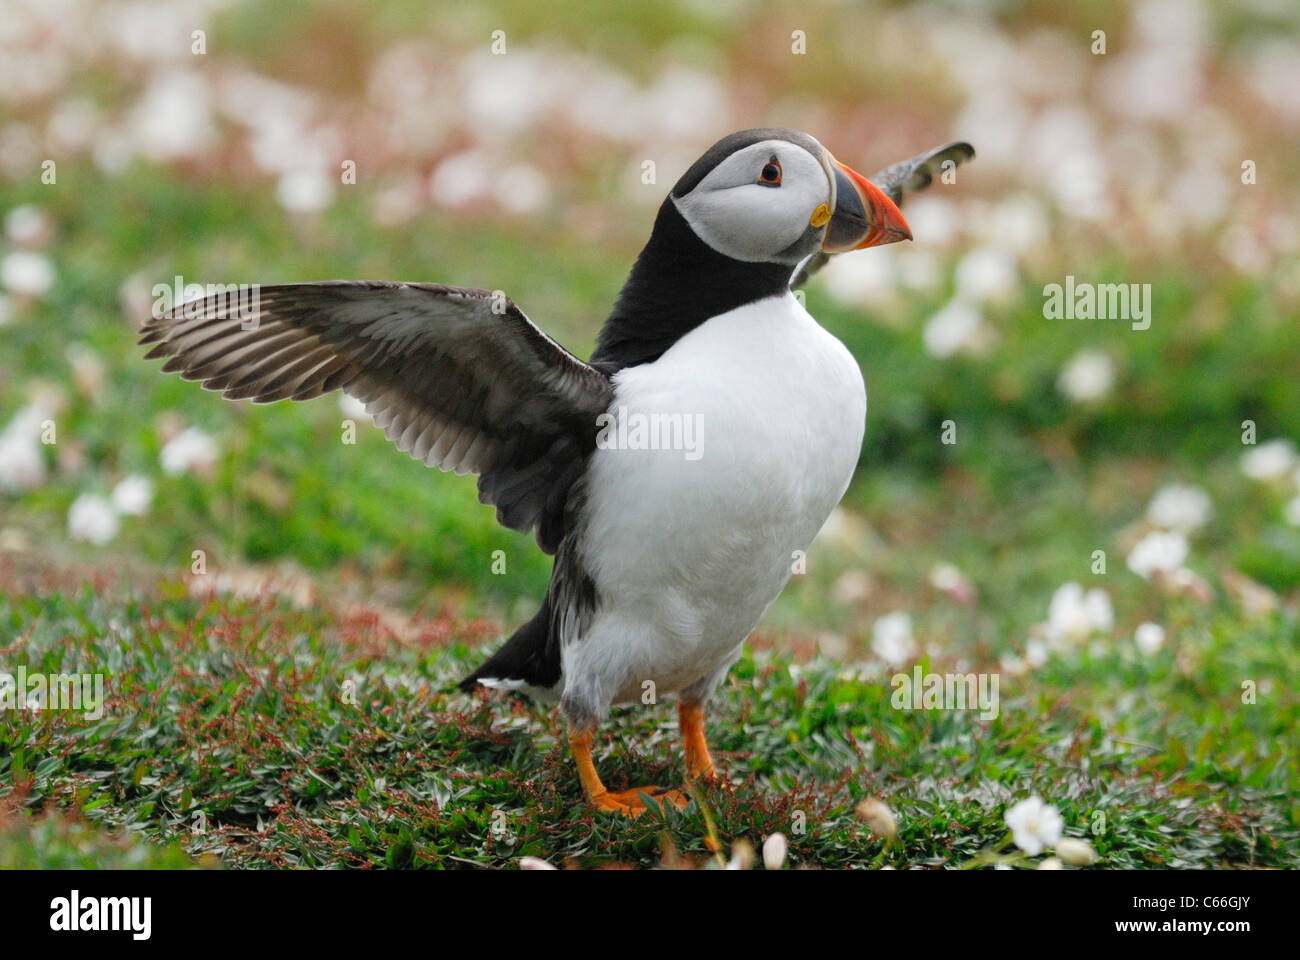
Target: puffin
677,476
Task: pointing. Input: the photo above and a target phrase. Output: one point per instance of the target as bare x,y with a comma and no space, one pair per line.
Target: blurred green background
1115,531
522,170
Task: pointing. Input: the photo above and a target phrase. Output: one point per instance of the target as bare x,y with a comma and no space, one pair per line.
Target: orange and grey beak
864,215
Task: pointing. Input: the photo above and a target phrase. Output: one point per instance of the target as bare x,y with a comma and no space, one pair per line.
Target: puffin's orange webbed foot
630,803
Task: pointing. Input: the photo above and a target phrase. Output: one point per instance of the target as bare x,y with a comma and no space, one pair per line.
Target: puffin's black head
734,230
776,196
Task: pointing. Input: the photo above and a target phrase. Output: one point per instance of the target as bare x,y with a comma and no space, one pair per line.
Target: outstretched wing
907,176
914,175
459,378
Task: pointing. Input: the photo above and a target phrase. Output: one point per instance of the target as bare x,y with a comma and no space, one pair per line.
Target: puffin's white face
772,195
758,203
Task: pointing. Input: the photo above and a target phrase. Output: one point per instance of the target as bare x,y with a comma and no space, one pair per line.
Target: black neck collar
678,282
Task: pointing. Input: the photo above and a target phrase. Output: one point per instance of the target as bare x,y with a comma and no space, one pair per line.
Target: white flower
28,226
676,85
863,281
1089,375
173,118
189,449
461,179
1200,194
1149,637
891,638
1158,552
133,494
853,586
774,849
1035,653
492,96
1100,613
22,462
1156,82
1075,852
1081,187
999,112
522,189
918,269
26,272
877,815
1034,825
1269,460
1173,23
986,273
1274,68
534,863
944,576
742,855
1179,507
1051,863
1074,613
934,218
87,370
92,518
305,190
958,326
1022,224
1240,247
947,579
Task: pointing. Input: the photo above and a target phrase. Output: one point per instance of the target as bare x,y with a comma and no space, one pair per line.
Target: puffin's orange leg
690,717
627,802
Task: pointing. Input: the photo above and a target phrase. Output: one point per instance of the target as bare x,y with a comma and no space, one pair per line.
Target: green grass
235,709
235,719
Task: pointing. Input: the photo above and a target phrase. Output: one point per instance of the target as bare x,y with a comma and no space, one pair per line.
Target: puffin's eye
771,173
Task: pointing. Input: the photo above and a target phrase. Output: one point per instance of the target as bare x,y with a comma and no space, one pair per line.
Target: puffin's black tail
527,657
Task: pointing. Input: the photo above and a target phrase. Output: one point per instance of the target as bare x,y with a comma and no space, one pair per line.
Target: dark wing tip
959,146
917,173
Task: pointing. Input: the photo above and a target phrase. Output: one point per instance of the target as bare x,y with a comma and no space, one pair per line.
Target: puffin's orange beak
864,215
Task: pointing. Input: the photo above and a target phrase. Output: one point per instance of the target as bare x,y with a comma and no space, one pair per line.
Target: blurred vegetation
1034,485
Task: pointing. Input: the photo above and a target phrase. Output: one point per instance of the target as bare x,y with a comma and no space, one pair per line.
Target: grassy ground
259,735
311,725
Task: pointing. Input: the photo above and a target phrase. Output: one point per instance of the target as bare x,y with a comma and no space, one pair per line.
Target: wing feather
459,378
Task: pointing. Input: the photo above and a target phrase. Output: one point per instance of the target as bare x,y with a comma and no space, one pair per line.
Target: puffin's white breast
688,547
